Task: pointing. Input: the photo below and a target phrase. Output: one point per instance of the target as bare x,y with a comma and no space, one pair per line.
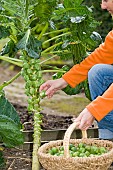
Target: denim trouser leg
100,77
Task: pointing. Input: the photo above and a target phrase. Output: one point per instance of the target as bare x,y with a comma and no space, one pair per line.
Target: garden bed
20,158
55,121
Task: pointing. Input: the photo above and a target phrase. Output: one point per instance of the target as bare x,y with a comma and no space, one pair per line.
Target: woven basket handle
68,135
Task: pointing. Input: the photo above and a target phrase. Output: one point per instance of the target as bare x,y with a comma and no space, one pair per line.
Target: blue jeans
100,77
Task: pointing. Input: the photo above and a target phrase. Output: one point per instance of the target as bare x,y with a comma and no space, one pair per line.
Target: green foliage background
102,16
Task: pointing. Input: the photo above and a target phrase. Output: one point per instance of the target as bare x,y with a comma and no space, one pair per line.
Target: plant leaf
10,125
4,32
72,91
72,3
9,48
44,9
77,19
2,161
30,44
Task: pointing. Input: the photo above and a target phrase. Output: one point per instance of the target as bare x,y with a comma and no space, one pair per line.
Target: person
98,68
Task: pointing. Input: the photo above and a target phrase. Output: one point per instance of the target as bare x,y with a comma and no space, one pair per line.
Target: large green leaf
44,9
72,3
10,126
9,48
30,44
4,32
72,91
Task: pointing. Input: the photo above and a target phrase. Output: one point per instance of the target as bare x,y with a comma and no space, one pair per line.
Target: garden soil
17,158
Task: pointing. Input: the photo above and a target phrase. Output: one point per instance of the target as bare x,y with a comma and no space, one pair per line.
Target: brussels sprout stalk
32,74
37,137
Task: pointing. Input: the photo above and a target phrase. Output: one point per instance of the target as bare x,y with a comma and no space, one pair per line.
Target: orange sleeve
103,54
102,105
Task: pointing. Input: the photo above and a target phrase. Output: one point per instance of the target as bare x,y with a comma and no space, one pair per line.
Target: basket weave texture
65,162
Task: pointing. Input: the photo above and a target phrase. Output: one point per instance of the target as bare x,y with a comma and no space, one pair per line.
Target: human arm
102,105
103,54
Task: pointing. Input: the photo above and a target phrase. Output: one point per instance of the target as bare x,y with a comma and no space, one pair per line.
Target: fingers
78,119
85,118
83,126
50,92
49,87
44,86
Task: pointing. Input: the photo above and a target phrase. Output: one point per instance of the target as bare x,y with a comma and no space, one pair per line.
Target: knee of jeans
95,71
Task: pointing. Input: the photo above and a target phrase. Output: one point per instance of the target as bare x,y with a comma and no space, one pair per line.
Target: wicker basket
66,162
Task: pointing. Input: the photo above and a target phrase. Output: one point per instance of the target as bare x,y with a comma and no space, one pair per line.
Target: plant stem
57,31
67,33
43,31
63,51
10,81
51,71
26,9
48,49
48,59
12,60
13,38
56,52
36,141
19,3
34,28
30,21
28,34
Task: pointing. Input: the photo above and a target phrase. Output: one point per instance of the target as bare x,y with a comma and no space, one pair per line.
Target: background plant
102,16
72,27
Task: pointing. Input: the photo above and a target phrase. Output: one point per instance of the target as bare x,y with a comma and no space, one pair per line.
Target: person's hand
51,86
85,118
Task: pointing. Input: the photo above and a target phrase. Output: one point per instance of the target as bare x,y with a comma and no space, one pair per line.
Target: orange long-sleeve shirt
102,105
